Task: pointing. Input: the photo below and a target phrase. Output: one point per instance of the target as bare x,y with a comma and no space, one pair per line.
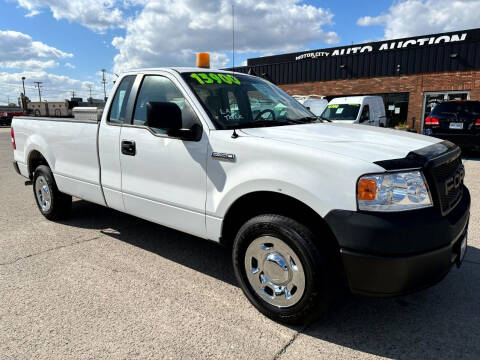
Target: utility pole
23,83
104,81
38,86
73,94
90,90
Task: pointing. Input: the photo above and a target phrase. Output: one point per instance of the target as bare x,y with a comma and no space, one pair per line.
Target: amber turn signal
367,189
203,60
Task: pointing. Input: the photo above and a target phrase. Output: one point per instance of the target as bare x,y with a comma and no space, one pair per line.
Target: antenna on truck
234,135
233,36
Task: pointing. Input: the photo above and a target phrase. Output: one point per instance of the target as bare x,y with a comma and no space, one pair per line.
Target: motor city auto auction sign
382,46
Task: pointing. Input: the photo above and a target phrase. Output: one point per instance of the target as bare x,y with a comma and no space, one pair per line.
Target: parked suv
457,121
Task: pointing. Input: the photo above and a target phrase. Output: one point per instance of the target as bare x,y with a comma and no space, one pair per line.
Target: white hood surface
362,142
342,121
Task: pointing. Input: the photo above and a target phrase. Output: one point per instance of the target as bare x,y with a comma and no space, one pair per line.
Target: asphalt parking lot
105,285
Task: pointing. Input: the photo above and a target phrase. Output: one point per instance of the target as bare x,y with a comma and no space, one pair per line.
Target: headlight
393,192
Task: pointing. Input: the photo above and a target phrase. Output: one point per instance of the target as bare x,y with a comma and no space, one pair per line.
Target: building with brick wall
411,74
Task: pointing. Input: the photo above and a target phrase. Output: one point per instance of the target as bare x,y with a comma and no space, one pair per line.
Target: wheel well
265,202
35,159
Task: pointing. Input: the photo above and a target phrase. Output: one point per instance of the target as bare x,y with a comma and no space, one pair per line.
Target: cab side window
119,104
160,89
365,114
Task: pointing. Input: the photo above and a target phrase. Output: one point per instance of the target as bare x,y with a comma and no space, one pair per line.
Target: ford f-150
305,205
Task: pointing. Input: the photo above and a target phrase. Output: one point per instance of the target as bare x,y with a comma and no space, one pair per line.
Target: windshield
341,112
239,101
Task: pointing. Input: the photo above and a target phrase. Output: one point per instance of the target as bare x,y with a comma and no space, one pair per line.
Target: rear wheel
282,269
52,203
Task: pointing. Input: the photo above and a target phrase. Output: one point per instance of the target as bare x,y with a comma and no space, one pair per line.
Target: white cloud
97,15
19,51
69,65
418,17
168,32
29,64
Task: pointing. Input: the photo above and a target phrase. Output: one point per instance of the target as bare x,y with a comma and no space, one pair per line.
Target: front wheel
53,204
282,270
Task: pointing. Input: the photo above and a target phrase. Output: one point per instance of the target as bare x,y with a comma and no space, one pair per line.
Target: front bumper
388,254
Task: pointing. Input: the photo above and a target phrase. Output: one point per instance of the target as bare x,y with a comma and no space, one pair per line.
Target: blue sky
77,39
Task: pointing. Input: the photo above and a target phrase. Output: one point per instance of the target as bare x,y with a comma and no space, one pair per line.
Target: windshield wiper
266,123
305,120
261,123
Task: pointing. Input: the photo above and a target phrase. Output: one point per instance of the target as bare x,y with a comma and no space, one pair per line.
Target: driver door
164,178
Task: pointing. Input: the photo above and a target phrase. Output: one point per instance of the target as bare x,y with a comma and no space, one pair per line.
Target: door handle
128,148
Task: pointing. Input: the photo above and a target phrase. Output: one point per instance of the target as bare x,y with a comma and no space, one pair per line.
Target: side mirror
168,116
164,115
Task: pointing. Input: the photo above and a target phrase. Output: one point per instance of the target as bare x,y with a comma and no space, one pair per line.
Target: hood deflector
422,158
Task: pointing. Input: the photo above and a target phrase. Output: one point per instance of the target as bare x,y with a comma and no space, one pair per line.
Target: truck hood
362,142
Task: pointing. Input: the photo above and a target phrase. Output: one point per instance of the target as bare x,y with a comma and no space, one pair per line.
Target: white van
366,110
315,103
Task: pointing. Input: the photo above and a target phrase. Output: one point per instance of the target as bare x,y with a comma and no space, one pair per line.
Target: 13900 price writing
211,78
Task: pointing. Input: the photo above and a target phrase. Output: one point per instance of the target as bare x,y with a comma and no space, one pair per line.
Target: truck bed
70,148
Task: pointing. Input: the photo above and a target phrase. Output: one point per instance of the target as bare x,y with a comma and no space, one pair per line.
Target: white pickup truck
306,206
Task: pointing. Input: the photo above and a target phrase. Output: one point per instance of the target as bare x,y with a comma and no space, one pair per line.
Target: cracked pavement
106,285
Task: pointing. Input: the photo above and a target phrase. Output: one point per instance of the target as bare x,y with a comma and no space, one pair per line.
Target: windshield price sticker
212,78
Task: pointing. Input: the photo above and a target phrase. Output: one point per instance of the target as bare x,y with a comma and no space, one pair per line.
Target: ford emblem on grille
454,182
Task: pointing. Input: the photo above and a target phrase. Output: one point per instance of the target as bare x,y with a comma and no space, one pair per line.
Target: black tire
60,203
320,273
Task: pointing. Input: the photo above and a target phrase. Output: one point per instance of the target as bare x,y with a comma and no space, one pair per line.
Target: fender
214,220
269,185
36,143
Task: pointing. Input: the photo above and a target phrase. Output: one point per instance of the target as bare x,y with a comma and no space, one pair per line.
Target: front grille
443,174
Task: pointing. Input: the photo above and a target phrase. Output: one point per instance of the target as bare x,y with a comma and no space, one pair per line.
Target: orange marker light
203,60
367,189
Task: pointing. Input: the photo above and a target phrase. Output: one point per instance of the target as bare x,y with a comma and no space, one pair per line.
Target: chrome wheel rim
42,191
274,271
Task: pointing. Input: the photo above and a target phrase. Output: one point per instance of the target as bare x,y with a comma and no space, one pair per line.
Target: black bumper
388,254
